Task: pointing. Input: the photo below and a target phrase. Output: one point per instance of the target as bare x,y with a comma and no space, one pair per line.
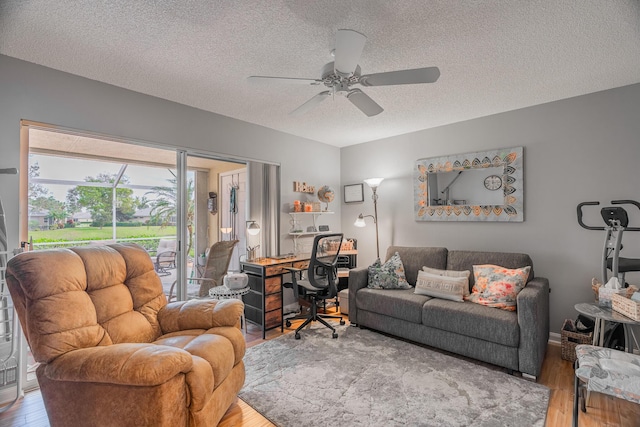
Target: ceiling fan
339,76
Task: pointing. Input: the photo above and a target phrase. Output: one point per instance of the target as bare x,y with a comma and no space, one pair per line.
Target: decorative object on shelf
326,195
323,228
373,183
297,206
303,187
253,229
353,193
500,169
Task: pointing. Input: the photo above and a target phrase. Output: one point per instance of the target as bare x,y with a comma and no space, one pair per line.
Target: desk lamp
253,229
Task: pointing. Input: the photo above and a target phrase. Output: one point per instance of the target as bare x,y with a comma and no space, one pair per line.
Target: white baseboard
555,338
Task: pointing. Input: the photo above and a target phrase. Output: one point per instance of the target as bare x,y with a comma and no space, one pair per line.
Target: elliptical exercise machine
617,222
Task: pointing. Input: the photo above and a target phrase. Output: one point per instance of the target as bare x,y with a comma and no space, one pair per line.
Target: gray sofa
514,340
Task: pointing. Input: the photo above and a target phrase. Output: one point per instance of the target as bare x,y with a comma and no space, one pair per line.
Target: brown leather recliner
112,352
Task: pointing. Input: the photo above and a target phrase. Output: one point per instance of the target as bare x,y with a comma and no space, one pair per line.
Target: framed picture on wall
353,193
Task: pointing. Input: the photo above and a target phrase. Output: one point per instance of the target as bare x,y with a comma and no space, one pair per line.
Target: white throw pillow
450,273
445,287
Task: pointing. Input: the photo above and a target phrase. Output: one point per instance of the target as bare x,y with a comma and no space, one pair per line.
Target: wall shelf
296,217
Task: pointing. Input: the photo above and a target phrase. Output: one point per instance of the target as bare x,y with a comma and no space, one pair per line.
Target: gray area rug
364,378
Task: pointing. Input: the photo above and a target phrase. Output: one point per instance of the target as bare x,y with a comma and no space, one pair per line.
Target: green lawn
94,233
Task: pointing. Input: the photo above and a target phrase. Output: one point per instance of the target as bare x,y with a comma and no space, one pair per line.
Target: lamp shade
360,221
373,182
253,228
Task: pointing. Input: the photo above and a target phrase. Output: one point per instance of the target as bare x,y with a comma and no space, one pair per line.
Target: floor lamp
373,183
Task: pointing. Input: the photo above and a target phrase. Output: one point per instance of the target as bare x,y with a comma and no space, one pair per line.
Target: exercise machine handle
582,224
628,202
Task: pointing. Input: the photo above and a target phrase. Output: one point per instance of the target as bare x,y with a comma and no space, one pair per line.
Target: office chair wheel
341,321
288,323
335,335
297,336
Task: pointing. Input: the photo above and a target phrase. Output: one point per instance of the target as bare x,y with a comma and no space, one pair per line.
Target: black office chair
321,282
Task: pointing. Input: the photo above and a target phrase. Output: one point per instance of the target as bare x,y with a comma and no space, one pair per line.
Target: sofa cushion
498,287
473,320
399,303
465,260
414,258
440,286
389,275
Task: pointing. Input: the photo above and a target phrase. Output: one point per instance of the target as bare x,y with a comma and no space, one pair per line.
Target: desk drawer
253,314
273,319
253,299
277,269
273,301
272,285
303,265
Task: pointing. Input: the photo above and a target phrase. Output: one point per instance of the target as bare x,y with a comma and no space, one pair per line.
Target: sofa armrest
122,364
533,318
358,279
200,314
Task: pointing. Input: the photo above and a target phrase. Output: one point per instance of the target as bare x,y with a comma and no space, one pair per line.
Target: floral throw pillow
497,286
389,275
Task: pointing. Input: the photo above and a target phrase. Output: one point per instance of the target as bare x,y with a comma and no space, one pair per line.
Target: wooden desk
263,303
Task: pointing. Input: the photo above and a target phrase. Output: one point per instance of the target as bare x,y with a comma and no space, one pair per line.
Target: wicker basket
569,340
626,306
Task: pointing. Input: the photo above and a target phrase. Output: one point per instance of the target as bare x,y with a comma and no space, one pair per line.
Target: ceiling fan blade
402,77
364,103
310,104
294,80
349,45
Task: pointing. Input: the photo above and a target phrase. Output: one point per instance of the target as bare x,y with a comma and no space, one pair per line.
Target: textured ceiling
494,56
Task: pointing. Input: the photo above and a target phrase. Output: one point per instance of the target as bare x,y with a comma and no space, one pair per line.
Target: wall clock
493,182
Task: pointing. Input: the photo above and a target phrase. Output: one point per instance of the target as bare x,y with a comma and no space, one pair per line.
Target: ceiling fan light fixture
343,73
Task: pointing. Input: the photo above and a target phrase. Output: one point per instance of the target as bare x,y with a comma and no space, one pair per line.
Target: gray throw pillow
389,275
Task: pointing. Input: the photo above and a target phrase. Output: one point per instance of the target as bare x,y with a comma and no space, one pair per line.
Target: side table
606,314
223,292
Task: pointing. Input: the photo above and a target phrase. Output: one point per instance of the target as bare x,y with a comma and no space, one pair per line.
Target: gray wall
579,149
33,92
584,148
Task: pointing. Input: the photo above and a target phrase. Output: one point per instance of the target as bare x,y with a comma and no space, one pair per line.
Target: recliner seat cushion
399,303
473,320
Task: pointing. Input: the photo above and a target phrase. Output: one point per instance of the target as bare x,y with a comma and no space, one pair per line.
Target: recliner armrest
139,364
200,314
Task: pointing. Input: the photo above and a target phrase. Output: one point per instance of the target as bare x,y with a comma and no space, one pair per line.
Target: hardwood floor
557,374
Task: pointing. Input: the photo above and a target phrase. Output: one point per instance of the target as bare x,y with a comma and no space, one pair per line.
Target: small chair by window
165,257
215,267
320,282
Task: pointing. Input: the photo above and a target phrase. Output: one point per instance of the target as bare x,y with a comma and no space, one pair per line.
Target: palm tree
164,207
